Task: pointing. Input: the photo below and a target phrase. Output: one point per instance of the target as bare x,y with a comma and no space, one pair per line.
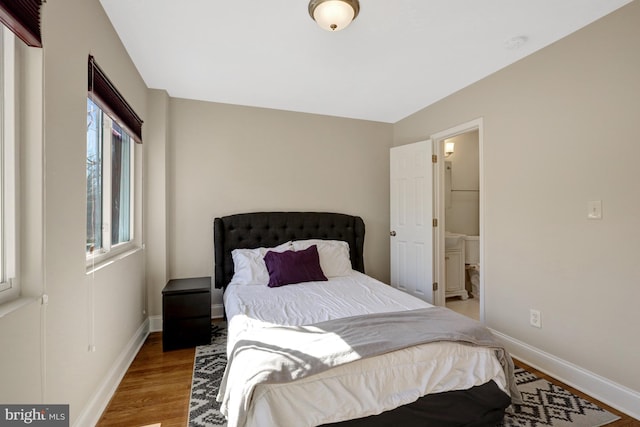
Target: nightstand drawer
180,306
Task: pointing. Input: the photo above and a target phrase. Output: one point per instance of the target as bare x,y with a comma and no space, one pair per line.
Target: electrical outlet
535,318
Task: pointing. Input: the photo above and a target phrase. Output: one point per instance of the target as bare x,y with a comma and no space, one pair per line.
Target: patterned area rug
545,404
208,368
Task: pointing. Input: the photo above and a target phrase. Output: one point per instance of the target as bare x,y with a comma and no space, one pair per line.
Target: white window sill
15,305
99,265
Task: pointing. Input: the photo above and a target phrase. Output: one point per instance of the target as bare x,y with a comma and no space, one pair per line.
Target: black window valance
112,102
23,18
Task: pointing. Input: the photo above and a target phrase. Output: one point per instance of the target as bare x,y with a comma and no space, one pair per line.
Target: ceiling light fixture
334,15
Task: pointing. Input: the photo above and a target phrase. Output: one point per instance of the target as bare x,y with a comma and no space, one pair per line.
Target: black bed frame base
479,406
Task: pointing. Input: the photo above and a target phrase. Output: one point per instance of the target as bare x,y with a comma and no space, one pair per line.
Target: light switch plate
594,209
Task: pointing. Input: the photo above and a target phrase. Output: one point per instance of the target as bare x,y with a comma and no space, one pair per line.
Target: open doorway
460,201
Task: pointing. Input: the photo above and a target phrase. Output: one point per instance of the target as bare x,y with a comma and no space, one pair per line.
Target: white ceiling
396,58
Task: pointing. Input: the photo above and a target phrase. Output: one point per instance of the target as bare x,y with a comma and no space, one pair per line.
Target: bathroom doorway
461,218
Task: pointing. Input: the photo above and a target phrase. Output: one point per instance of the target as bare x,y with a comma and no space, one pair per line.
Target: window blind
112,102
23,18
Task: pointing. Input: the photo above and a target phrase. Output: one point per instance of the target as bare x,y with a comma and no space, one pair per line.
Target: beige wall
157,142
228,159
560,129
45,349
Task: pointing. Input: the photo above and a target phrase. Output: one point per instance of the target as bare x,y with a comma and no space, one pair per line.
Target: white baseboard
613,394
155,323
92,412
217,311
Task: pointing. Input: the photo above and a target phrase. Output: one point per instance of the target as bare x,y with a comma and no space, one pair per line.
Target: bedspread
279,354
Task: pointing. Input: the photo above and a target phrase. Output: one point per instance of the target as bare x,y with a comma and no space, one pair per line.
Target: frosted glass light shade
334,15
448,148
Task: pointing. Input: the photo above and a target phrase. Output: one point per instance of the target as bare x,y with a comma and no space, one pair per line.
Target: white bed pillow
334,255
249,267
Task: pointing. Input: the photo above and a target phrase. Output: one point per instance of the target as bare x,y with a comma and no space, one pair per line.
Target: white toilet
472,263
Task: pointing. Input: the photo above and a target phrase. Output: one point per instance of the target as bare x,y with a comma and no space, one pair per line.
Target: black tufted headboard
269,229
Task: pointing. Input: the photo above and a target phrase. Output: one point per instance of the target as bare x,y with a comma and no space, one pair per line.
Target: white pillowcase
334,255
249,267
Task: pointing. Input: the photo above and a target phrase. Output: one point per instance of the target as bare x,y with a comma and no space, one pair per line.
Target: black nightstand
186,313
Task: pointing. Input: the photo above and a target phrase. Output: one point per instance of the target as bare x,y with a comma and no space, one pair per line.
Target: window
113,128
21,161
9,288
110,152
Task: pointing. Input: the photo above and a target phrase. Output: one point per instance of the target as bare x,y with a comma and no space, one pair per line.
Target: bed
280,372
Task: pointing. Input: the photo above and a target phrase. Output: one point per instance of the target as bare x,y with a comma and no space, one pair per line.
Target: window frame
107,249
9,202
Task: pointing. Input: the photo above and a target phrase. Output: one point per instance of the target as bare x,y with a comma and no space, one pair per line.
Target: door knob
392,233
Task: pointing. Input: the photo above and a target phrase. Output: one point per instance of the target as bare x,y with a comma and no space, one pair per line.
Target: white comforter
358,389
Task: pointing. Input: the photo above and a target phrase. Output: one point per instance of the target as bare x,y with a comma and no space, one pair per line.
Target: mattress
357,389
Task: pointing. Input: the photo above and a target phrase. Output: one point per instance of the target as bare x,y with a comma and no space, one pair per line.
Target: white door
412,219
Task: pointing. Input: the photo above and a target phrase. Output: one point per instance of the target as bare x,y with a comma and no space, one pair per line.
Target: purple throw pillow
290,267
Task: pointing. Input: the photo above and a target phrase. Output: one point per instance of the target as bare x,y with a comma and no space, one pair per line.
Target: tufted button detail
269,229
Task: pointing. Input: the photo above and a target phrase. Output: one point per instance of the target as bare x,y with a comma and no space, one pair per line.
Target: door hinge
435,222
435,286
434,158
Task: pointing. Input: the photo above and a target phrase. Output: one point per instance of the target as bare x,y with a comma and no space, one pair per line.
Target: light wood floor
155,390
